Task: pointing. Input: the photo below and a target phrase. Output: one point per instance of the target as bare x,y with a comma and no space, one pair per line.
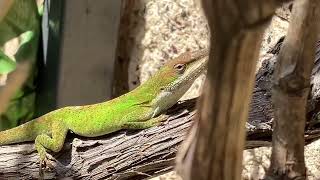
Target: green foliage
21,107
23,22
6,64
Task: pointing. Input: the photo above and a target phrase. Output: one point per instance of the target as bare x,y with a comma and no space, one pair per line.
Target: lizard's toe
45,165
163,119
42,165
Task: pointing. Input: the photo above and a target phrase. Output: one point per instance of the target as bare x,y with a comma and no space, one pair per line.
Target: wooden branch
139,154
117,156
215,150
290,92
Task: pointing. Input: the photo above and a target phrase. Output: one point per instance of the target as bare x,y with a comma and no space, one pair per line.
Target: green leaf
6,64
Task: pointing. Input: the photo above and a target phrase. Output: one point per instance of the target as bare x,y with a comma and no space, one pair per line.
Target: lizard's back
103,118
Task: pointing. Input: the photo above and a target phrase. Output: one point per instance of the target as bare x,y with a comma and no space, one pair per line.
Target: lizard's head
175,78
179,73
169,84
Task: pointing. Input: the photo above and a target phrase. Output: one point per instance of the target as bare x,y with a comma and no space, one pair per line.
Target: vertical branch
236,27
120,81
290,92
124,48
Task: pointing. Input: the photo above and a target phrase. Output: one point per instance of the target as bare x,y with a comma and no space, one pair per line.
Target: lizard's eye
179,67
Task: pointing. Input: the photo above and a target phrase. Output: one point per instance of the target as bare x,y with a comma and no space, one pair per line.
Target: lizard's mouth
195,68
193,71
198,65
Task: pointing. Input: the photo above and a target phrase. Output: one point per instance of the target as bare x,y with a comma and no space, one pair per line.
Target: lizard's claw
164,119
45,165
42,167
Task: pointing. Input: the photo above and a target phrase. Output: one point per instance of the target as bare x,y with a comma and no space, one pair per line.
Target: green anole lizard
138,109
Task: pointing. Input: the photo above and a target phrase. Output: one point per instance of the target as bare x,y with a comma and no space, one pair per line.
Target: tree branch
139,154
215,150
290,92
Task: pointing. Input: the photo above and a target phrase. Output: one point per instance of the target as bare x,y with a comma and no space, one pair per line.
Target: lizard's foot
44,165
145,124
163,119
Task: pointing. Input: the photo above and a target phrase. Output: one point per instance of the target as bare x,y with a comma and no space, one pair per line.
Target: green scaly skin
138,109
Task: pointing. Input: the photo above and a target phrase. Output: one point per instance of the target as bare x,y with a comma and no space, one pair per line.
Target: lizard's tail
24,132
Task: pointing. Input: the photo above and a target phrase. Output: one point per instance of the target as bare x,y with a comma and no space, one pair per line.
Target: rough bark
139,154
290,92
216,142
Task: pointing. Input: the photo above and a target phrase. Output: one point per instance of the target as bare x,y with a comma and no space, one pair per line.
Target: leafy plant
6,64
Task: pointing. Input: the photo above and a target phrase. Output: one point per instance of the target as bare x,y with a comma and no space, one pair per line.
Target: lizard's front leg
53,143
145,124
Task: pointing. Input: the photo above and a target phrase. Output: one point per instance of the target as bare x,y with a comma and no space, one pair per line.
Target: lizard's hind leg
53,143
